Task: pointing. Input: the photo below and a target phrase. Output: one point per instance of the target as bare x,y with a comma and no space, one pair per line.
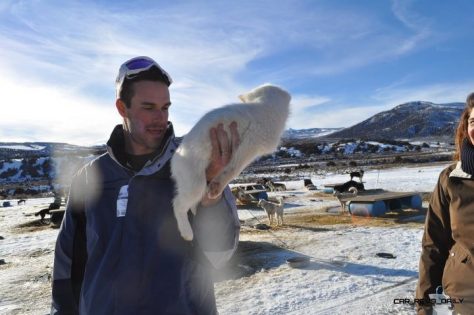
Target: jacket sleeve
217,228
70,254
436,242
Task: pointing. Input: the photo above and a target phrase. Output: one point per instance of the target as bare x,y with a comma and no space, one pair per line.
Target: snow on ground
398,179
344,276
414,178
28,254
404,179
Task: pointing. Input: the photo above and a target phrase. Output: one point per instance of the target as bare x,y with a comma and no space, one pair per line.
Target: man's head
143,100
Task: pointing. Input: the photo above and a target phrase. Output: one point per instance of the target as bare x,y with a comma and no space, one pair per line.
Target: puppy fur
260,121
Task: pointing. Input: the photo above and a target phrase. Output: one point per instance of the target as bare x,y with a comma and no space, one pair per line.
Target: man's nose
158,115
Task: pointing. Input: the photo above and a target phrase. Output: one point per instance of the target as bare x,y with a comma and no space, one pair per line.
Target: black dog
359,174
42,213
21,201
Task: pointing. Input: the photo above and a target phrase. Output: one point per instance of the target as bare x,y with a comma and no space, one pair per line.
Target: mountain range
413,120
408,121
308,133
397,130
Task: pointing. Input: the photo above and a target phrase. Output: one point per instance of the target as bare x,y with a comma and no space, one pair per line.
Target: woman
448,240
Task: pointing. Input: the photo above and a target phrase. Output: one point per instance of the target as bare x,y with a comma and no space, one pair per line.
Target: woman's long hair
461,132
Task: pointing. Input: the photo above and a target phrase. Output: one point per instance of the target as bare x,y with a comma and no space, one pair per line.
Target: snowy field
344,275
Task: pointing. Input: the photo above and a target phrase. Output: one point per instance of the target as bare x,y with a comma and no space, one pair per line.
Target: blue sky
342,61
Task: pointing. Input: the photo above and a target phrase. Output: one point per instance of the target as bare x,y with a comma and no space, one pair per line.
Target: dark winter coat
448,241
125,255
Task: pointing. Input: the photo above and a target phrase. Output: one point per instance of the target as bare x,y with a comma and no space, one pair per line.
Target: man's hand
223,148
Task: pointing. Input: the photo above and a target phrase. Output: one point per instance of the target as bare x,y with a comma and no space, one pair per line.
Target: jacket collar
458,172
116,150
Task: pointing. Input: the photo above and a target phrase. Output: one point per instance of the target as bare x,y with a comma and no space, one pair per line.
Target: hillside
44,166
407,121
294,134
37,168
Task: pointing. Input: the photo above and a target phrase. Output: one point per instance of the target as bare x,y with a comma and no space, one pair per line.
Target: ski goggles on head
134,66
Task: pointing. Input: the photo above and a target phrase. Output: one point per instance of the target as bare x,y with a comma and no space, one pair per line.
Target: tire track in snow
369,295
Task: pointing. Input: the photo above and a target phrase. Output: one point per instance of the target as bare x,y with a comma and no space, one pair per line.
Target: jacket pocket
458,272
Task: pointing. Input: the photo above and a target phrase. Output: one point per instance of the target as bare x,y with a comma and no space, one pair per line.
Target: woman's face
470,127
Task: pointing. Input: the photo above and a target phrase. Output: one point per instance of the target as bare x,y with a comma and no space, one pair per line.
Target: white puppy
273,209
260,123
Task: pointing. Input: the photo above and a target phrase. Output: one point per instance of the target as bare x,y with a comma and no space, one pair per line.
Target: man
119,250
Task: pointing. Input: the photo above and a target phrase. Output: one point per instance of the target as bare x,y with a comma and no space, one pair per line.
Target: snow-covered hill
408,121
292,134
33,168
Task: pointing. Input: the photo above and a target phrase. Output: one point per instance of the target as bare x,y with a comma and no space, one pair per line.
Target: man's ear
121,107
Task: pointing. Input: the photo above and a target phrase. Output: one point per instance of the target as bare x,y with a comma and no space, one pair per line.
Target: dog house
374,205
343,187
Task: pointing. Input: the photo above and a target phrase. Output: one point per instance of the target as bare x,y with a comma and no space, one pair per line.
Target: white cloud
63,56
383,99
334,118
87,49
419,25
35,112
436,93
299,116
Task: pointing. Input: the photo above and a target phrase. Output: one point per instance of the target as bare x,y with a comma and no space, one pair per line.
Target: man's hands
223,148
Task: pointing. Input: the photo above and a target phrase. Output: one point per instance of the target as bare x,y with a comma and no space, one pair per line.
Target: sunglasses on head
139,64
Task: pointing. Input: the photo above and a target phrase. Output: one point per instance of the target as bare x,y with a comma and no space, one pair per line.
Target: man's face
146,120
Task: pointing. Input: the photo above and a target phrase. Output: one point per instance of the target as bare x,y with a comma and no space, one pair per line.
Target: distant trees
330,163
8,173
29,167
398,159
46,167
347,147
352,163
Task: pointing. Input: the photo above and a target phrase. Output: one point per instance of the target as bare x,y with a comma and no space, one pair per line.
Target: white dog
260,122
273,209
342,197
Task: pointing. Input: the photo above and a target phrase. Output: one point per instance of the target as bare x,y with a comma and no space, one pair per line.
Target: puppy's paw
186,233
183,225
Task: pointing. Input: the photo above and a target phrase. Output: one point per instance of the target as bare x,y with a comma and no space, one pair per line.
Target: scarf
467,157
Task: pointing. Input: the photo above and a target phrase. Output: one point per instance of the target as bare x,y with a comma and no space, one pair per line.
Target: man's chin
154,143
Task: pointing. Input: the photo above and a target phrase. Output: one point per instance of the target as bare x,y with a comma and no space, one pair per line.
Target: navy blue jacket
116,259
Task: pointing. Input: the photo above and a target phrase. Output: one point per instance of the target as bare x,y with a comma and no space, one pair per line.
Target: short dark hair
152,74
